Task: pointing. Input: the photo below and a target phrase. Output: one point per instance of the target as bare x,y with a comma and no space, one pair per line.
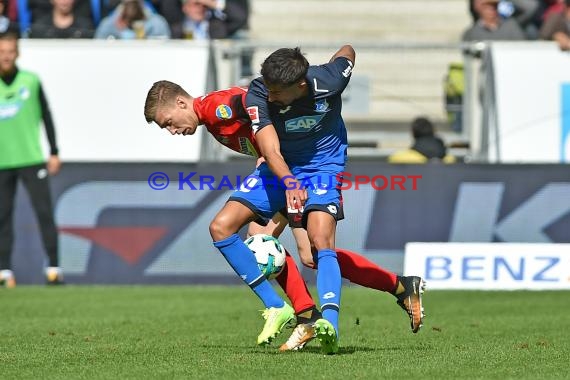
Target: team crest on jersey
223,112
24,93
321,106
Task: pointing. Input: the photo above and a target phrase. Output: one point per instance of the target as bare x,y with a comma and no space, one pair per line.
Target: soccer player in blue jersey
295,110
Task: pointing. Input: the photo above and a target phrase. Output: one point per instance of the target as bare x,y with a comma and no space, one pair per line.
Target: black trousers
36,182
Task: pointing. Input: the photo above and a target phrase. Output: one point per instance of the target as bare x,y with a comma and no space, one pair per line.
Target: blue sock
243,262
328,285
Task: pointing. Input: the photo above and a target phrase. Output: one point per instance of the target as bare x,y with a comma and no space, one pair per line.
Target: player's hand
296,197
53,165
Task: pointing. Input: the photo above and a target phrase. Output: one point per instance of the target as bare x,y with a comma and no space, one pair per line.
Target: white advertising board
490,266
96,91
532,92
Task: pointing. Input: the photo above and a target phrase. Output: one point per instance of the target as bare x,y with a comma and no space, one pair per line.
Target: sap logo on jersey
302,124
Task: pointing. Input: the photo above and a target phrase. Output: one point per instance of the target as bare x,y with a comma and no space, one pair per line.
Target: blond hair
161,94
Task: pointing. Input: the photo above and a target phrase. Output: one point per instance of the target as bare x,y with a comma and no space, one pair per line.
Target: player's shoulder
222,94
340,67
257,87
257,93
226,98
331,78
28,74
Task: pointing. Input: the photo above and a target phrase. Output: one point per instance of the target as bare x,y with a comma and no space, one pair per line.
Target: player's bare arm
346,51
270,149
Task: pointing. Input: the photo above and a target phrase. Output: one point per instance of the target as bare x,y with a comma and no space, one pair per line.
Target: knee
219,228
320,241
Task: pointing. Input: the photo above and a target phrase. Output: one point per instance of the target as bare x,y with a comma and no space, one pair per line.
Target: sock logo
329,295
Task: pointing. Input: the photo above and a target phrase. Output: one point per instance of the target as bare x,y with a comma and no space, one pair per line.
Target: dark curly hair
284,67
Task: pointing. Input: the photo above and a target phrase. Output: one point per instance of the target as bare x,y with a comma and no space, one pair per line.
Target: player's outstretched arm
346,51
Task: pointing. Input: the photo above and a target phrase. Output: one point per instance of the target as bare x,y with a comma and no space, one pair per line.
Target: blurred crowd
217,19
517,20
125,19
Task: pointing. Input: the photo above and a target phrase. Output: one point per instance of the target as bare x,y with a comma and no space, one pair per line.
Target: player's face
285,95
179,119
8,55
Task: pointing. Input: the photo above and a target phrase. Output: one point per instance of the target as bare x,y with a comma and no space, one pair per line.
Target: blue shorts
262,193
323,194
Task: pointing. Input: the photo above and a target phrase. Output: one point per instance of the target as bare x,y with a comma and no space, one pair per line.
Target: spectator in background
557,27
490,26
6,25
62,22
133,20
196,22
525,12
93,10
549,7
23,108
427,146
215,19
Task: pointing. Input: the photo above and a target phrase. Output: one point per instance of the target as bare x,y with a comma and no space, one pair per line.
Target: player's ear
181,102
302,86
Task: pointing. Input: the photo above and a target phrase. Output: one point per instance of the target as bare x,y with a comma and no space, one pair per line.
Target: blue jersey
311,132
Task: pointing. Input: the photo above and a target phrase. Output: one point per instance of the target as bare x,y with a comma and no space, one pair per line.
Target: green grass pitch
192,332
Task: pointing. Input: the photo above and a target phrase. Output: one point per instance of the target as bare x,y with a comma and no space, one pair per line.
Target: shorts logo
253,113
320,189
332,209
223,112
42,173
249,184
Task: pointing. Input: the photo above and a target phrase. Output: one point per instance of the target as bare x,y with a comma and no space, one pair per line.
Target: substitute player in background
23,107
223,114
